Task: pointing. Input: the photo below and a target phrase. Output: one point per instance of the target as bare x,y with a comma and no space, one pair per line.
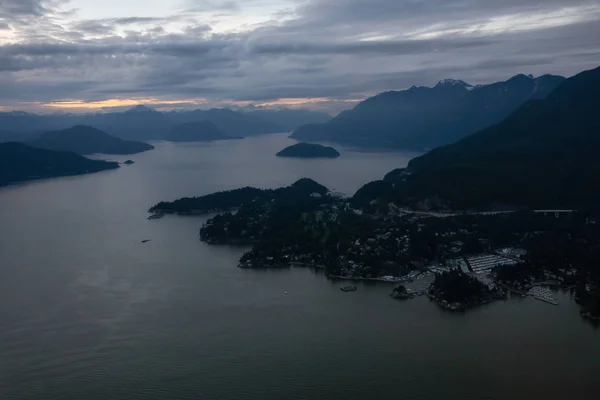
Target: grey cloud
392,47
391,10
11,8
319,53
106,26
93,27
197,30
136,20
212,5
183,49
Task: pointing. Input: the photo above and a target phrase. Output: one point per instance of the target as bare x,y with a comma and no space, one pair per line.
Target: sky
93,55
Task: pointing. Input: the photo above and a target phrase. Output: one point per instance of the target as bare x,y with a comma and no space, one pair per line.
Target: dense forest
248,197
457,287
19,162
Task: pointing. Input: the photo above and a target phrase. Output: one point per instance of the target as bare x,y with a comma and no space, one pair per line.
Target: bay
87,311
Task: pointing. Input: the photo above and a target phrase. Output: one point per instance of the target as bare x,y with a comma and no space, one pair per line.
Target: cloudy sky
92,54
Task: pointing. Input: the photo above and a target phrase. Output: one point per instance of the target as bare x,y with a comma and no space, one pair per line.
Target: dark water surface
89,312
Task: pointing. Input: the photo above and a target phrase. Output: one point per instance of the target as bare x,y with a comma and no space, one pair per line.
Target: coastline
322,267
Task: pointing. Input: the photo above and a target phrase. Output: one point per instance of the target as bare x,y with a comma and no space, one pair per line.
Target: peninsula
459,260
309,150
83,140
19,163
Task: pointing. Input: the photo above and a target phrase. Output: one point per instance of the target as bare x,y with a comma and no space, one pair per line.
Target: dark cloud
94,27
11,8
212,5
136,20
342,49
390,47
121,47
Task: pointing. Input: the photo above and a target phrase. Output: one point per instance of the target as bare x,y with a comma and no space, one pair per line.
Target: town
459,260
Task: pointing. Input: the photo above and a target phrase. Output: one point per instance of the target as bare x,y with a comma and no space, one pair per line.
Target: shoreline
322,267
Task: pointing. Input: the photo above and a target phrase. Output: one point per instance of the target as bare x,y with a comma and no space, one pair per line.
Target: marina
543,294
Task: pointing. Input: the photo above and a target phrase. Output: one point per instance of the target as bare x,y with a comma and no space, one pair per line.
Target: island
129,162
309,150
83,140
197,131
401,293
19,163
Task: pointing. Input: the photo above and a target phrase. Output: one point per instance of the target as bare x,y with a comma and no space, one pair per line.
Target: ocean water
89,312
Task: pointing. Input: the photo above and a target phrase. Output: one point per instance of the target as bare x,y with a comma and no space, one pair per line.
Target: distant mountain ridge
544,155
290,119
197,131
83,139
144,123
232,123
423,117
21,137
19,163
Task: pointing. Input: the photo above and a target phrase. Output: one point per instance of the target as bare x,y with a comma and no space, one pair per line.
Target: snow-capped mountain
453,82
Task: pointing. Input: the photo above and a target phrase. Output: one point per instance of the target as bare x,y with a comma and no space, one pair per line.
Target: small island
129,162
400,293
197,131
309,150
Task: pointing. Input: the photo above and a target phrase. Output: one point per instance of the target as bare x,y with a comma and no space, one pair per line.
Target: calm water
89,312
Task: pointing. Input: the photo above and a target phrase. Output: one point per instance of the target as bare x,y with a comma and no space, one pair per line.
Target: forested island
309,150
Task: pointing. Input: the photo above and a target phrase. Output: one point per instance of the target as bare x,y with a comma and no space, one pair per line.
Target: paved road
445,215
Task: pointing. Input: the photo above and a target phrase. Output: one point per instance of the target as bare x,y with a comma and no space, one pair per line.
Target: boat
156,216
348,288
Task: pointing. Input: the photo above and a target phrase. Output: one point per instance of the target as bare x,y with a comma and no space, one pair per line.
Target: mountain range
544,155
423,117
288,119
144,123
197,131
231,122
